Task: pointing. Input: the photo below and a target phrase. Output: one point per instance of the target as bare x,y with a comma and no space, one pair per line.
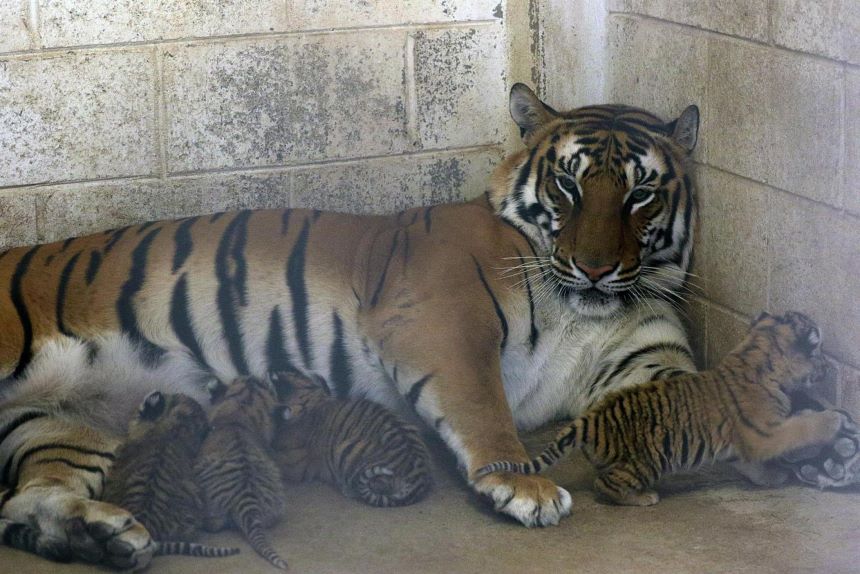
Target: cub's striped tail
171,548
25,537
252,527
569,438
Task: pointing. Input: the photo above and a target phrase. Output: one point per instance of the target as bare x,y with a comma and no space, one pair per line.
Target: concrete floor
712,522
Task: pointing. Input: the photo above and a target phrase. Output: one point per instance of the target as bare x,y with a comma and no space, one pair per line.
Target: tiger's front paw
95,531
533,500
833,465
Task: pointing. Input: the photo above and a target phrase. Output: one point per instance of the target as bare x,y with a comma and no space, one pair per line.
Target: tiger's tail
24,537
252,527
568,439
181,548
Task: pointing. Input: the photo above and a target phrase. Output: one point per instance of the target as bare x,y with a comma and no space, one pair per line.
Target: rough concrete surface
710,523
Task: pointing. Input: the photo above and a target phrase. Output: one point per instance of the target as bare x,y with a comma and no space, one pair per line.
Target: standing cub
738,410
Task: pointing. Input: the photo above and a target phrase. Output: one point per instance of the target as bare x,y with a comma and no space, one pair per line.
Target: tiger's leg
455,385
795,432
57,469
623,485
832,465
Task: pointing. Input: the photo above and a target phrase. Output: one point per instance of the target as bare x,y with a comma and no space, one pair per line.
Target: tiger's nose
594,273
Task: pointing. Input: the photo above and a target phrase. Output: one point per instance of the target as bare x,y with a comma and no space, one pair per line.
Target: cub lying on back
738,410
360,446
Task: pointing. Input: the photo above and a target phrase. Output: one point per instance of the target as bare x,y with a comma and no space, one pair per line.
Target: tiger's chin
594,304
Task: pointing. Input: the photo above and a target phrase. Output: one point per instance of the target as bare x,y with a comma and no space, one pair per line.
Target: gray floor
708,523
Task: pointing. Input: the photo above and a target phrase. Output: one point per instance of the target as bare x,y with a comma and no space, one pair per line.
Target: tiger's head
299,393
604,196
248,402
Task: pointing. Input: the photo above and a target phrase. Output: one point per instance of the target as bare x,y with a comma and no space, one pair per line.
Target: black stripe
277,356
115,236
341,368
125,303
181,321
87,468
93,267
61,293
184,243
664,346
216,216
145,226
8,479
378,291
66,243
414,394
295,276
741,415
4,498
427,221
533,332
23,314
240,266
502,319
227,290
405,248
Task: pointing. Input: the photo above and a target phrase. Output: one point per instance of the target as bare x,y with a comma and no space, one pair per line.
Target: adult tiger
594,218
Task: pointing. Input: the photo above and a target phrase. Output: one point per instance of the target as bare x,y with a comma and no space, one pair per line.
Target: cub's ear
152,406
216,389
283,413
528,111
685,129
813,340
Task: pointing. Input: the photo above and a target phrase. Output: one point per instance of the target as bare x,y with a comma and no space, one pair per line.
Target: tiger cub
360,446
241,484
153,476
739,410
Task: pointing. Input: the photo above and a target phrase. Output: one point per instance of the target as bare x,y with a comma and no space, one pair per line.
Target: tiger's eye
639,195
566,183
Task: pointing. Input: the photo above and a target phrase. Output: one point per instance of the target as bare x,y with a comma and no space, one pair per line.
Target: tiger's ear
685,129
528,111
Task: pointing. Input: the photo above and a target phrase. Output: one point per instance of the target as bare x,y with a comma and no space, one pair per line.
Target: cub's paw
533,500
95,531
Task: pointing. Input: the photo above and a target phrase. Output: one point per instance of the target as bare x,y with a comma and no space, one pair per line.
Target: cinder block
775,116
460,84
18,217
731,253
76,116
725,330
736,17
14,22
79,209
112,21
282,101
389,185
814,26
849,383
638,50
320,14
814,262
851,163
226,192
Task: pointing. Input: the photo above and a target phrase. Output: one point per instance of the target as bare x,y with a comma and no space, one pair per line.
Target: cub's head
247,402
604,194
299,393
792,343
175,416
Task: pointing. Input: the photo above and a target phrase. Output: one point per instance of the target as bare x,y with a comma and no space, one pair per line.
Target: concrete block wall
117,112
778,84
